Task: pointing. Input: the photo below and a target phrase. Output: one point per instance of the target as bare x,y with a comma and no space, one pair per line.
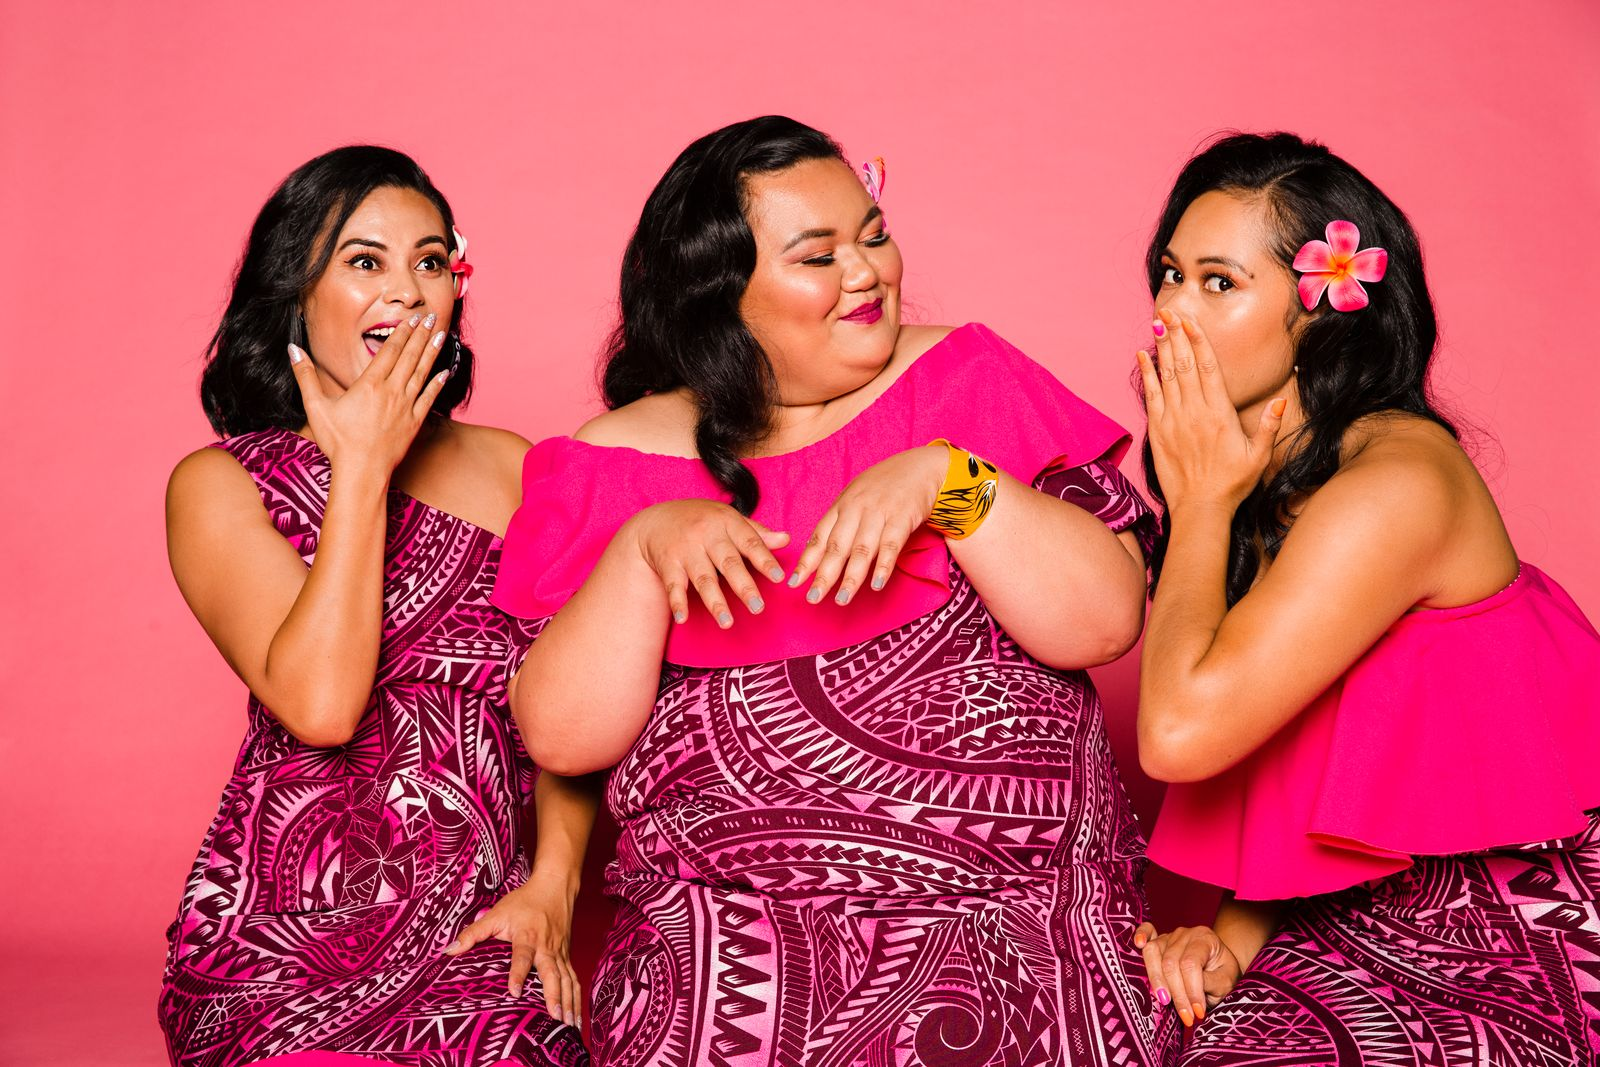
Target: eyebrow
805,235
380,246
1224,260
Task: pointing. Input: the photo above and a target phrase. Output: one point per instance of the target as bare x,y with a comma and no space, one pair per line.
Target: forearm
1060,582
588,683
1188,609
322,661
1246,925
565,810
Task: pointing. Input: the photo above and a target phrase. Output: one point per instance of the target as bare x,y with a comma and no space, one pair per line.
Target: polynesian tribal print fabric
331,879
1490,958
911,852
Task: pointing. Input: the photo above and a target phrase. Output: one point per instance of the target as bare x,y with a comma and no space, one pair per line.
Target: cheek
795,298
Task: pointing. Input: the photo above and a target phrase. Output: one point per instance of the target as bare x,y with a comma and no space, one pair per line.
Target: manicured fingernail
725,619
794,579
813,596
877,581
428,322
1163,998
679,616
452,946
842,597
1159,328
414,320
1187,1016
1277,407
756,603
438,340
776,574
295,355
1199,1012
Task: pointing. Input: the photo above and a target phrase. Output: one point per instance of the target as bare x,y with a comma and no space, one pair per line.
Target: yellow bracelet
967,494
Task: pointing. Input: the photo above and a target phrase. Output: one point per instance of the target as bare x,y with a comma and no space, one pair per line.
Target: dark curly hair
247,383
1351,365
684,272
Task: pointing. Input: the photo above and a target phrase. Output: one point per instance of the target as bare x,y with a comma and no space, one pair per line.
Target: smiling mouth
376,337
866,313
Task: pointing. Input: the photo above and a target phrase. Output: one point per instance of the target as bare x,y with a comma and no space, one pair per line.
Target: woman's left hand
1203,454
536,918
871,521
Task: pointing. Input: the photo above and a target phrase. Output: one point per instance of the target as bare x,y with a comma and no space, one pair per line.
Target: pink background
1028,153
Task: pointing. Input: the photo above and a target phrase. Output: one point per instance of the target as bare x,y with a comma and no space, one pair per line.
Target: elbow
1176,752
1113,637
326,727
566,763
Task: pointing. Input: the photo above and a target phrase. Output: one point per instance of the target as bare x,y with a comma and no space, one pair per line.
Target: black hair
247,383
684,272
1351,364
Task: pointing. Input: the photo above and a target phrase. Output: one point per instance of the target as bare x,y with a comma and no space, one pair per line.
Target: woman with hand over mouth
1380,724
339,546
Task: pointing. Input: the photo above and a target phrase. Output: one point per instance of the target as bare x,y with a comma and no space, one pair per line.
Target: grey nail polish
756,603
814,596
841,598
725,619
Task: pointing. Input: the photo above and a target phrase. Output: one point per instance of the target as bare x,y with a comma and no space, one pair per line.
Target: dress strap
292,475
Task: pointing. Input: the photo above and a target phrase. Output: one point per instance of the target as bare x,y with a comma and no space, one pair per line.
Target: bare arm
589,682
305,640
1063,585
1194,967
1372,542
1037,561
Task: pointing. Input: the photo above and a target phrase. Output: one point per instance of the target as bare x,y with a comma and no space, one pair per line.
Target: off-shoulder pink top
972,387
1462,729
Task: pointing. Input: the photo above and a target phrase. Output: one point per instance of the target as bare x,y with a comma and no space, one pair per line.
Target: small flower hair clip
872,176
1336,266
460,269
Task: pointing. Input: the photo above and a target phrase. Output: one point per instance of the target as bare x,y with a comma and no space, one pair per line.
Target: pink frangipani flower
1336,266
459,267
873,174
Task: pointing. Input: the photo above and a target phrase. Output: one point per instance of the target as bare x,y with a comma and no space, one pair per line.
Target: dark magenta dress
880,834
331,879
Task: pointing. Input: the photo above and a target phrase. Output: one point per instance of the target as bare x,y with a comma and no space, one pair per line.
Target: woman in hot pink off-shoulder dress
869,812
1380,726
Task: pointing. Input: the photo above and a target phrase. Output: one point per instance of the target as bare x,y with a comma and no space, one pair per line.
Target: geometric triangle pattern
911,851
1485,958
331,879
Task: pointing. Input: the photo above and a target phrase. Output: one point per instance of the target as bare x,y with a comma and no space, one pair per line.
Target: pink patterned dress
877,835
332,878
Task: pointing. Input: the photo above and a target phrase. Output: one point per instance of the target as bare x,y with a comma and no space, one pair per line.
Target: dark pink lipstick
866,314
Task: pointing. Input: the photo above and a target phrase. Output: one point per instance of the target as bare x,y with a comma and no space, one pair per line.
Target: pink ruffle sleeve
972,387
1461,729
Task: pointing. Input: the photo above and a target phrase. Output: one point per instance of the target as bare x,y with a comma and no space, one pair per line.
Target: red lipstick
866,314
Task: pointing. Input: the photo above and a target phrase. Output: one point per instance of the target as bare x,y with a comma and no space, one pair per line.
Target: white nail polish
438,340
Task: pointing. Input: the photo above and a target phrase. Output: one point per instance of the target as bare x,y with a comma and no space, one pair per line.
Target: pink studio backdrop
1028,152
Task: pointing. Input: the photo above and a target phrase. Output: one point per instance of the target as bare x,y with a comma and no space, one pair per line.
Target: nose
859,273
1178,300
401,288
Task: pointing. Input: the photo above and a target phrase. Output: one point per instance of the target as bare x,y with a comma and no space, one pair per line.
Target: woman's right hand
1190,966
378,416
699,545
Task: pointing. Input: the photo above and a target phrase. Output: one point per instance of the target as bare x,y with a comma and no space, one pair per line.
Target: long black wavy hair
684,272
247,383
1351,364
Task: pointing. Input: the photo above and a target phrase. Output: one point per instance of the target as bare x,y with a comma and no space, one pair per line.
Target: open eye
1171,276
432,262
364,262
1218,283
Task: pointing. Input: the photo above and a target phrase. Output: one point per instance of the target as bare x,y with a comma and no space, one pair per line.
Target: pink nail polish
1159,328
1163,997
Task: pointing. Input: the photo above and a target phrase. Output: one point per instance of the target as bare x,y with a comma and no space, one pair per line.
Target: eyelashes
877,240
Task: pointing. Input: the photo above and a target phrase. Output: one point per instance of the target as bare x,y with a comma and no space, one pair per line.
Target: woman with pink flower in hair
1380,724
339,546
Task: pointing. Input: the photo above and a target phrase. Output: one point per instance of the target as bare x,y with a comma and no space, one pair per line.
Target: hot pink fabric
965,388
1461,729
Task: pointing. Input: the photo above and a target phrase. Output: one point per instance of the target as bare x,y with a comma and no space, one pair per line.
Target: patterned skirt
1489,958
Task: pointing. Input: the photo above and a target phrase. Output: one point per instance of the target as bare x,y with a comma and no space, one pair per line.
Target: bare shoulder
915,340
662,423
500,450
206,478
1402,478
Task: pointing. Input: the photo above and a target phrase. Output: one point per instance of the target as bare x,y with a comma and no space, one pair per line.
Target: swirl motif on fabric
913,851
331,879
